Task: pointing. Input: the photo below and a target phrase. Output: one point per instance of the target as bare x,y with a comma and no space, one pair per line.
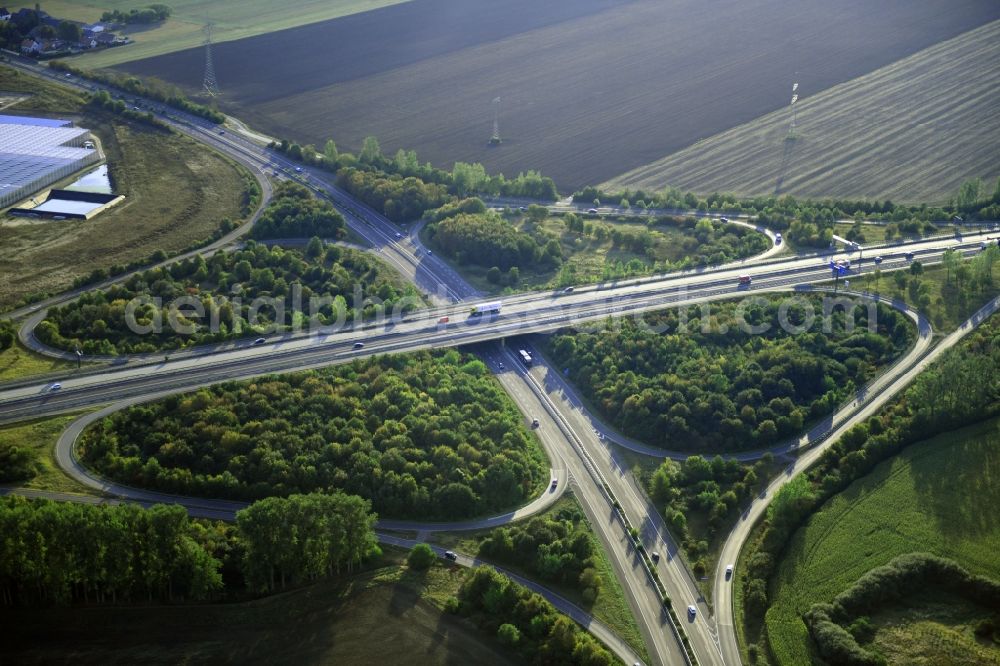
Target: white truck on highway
486,308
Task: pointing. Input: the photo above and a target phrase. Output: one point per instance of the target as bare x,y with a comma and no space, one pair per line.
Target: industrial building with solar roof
38,152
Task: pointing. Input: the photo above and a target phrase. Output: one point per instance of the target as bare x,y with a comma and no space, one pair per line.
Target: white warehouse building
38,152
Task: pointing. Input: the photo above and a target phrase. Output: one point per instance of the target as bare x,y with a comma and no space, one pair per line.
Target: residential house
30,46
4,14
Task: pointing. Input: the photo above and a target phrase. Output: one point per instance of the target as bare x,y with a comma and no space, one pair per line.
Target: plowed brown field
590,88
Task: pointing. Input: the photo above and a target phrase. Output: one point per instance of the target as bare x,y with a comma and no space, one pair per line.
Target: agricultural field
178,192
930,498
231,19
589,88
911,131
382,616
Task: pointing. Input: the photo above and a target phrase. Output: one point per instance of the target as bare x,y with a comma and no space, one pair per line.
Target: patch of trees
201,301
152,14
811,221
960,388
488,239
559,550
17,464
103,100
296,539
58,553
709,384
418,435
16,30
464,179
709,492
148,87
884,585
399,199
295,213
527,623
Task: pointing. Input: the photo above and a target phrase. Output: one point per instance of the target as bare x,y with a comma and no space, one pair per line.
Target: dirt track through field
590,88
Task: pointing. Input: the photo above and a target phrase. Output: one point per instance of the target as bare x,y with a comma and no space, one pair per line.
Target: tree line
62,553
152,14
901,577
148,87
224,286
526,622
810,221
58,553
960,388
463,180
705,384
558,549
420,435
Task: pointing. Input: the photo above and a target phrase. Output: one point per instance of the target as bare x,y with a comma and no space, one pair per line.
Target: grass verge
39,437
18,362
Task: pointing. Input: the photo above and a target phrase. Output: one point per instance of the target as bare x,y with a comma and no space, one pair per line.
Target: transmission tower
795,98
210,84
495,139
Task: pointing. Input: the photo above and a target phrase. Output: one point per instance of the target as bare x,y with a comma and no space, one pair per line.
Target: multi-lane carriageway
524,314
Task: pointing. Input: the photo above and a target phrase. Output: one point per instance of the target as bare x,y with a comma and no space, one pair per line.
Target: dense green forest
224,287
960,388
399,199
289,540
701,496
726,389
526,622
295,213
61,553
555,549
421,435
466,232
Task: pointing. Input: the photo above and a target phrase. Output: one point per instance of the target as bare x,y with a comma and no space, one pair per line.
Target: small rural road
849,416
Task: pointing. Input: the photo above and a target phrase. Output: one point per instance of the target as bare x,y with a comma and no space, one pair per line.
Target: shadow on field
969,466
788,147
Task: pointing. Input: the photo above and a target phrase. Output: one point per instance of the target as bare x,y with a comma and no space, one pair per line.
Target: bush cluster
883,585
527,623
559,550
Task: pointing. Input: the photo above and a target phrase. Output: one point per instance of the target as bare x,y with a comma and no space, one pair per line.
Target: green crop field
938,496
231,19
911,131
177,193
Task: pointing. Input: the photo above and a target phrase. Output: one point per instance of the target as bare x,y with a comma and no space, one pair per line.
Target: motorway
577,453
